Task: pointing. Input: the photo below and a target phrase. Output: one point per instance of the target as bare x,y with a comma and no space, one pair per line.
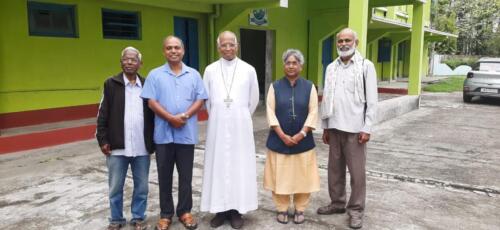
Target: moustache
345,48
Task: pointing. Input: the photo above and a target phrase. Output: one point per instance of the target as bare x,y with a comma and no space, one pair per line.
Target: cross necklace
228,99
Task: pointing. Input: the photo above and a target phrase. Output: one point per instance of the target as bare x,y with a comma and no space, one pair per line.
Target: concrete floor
434,168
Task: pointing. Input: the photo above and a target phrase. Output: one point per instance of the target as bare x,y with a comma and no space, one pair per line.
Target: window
47,19
489,66
120,24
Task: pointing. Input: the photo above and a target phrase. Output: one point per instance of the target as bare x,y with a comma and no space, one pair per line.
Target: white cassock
229,175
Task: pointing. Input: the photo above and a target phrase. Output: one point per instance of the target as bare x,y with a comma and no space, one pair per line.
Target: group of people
138,117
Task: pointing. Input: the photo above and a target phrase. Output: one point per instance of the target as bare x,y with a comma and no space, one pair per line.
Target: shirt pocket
349,84
187,92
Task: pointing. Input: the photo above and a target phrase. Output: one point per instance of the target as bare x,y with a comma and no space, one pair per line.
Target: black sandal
299,218
282,217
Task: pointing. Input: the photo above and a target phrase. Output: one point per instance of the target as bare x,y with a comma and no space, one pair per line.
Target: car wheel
467,98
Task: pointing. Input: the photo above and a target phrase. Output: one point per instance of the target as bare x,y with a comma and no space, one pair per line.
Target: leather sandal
299,218
282,217
163,224
188,221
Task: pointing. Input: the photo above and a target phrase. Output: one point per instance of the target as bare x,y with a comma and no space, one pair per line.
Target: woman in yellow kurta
291,170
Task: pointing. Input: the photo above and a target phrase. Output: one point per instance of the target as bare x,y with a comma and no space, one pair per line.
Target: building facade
55,54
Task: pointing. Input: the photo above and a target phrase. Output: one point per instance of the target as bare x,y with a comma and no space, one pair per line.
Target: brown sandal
188,221
163,224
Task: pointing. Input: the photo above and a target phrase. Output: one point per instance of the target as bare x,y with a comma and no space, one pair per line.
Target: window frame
138,26
71,8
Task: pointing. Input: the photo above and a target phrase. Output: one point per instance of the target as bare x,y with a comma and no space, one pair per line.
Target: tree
475,21
443,19
493,45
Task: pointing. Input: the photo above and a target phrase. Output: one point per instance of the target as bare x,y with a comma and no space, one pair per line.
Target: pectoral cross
228,101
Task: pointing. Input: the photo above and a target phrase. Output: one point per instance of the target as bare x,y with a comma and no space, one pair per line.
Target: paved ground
434,168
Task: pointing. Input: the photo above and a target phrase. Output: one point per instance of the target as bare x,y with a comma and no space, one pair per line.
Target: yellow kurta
292,173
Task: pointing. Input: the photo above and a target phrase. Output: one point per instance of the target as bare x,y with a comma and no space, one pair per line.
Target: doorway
326,55
187,30
257,50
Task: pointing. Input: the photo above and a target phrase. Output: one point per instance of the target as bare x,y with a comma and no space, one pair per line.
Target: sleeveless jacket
292,108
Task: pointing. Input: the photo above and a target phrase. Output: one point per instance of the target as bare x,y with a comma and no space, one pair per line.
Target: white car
483,80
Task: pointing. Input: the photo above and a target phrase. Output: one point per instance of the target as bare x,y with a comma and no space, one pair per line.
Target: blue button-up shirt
175,93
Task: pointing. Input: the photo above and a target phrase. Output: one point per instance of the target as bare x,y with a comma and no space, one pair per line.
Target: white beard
346,53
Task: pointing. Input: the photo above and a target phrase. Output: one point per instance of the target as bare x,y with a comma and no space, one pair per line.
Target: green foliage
493,45
455,61
450,84
443,19
473,21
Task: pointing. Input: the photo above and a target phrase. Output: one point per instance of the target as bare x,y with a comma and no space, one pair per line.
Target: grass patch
450,84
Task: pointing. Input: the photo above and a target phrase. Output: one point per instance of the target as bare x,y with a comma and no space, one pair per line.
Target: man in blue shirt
175,93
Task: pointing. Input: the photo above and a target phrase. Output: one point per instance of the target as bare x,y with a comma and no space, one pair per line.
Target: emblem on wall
258,17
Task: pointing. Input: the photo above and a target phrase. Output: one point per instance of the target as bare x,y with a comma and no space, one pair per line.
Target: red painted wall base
393,91
35,117
44,139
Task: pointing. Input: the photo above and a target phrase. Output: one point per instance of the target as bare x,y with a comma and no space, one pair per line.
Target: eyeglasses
227,45
131,60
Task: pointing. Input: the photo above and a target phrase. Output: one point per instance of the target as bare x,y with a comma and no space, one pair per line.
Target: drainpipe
211,22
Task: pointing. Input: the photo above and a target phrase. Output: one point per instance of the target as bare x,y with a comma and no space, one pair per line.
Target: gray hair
226,32
130,48
293,52
349,30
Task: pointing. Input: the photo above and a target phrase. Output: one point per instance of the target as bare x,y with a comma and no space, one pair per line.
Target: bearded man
347,115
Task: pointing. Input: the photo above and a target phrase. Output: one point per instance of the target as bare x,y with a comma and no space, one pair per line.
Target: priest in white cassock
229,176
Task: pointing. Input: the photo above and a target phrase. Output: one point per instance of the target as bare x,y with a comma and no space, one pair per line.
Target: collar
119,78
137,81
341,63
228,62
184,70
355,59
289,83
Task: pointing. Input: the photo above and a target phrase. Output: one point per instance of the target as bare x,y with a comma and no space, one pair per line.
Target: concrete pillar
358,21
394,60
416,50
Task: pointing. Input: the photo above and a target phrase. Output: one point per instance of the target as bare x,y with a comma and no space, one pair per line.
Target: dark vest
291,125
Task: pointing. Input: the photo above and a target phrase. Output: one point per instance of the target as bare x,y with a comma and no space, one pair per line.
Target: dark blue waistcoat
291,125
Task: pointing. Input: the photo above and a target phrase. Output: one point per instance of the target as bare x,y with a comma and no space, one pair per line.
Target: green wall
323,24
289,26
49,72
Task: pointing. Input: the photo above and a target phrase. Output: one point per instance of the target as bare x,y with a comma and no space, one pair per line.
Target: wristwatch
185,115
303,133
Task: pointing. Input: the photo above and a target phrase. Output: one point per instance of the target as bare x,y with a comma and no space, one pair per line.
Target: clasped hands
178,120
291,141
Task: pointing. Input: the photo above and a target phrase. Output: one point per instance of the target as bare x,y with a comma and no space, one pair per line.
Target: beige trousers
300,201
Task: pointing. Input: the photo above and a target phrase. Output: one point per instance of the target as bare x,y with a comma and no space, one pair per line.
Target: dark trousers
345,150
182,156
